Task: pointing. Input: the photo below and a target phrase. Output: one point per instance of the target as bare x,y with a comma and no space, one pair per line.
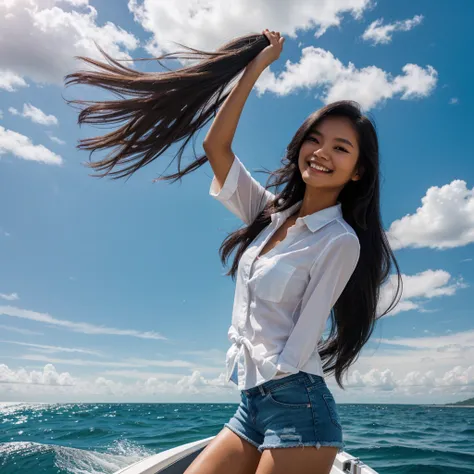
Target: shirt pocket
278,282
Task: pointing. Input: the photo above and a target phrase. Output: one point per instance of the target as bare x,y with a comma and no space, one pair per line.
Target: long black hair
156,110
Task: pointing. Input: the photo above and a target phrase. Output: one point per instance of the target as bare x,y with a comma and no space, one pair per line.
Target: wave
47,458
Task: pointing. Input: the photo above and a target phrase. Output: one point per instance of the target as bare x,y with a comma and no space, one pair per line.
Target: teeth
320,168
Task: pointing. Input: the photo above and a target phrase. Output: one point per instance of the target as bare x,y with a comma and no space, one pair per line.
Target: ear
358,174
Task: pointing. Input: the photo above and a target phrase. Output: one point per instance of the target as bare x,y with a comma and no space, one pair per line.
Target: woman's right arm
218,141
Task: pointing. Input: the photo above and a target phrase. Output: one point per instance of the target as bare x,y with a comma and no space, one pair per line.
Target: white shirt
283,299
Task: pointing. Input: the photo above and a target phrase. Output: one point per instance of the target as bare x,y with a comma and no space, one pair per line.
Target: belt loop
262,390
311,378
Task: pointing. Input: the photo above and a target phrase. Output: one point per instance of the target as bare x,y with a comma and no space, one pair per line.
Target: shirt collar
313,221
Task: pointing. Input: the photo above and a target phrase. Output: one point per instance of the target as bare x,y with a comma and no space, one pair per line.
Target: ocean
97,438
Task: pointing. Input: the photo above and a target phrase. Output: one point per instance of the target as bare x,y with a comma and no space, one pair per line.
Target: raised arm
218,141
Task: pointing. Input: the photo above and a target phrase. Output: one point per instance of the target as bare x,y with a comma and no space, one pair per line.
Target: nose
321,152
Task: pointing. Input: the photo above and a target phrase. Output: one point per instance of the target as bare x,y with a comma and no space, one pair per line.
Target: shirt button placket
246,297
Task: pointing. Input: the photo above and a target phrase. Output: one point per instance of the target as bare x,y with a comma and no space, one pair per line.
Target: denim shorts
295,411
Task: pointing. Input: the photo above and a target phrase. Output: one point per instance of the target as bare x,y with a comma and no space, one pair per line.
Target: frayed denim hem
317,445
238,433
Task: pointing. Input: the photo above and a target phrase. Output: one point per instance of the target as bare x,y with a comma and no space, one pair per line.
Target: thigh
226,453
304,460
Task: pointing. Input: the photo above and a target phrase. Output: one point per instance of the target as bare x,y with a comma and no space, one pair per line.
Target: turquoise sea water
101,438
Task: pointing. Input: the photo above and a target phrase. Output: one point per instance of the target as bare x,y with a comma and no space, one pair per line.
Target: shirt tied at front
241,346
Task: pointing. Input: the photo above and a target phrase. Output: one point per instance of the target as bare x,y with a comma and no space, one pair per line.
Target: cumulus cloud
418,290
444,220
10,81
378,33
52,385
65,33
20,146
208,25
380,379
35,115
85,328
369,86
423,381
48,376
428,367
212,24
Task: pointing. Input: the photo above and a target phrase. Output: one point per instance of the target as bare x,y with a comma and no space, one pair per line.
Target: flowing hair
156,110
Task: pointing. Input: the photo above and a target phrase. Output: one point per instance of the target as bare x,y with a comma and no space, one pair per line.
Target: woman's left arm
328,277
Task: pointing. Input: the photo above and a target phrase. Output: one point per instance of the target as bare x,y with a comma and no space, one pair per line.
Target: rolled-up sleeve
241,193
328,277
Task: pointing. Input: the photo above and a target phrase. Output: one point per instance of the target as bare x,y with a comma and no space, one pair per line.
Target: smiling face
332,143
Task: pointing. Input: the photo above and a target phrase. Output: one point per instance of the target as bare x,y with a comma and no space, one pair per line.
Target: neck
315,200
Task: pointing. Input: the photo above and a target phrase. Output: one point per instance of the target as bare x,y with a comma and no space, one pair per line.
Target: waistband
306,378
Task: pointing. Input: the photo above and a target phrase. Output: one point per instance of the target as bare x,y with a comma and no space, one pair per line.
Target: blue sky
113,290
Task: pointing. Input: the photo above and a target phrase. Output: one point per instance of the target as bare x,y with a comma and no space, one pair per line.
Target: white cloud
10,297
375,378
85,328
62,33
53,349
50,385
25,332
35,115
418,290
161,363
454,342
8,79
141,375
78,3
453,100
129,363
21,146
212,356
444,220
369,86
208,25
57,140
424,381
378,33
78,362
407,386
49,377
416,369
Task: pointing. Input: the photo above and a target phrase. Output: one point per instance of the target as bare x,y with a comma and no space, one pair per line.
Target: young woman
314,249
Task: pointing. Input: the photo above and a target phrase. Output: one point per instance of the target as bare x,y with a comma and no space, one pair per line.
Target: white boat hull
176,461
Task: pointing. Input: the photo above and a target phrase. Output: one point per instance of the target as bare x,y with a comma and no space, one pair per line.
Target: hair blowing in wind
160,108
153,111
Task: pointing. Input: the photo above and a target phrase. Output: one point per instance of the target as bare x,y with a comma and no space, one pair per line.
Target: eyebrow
342,140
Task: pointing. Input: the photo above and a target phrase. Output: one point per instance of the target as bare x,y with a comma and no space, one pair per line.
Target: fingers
272,33
273,36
